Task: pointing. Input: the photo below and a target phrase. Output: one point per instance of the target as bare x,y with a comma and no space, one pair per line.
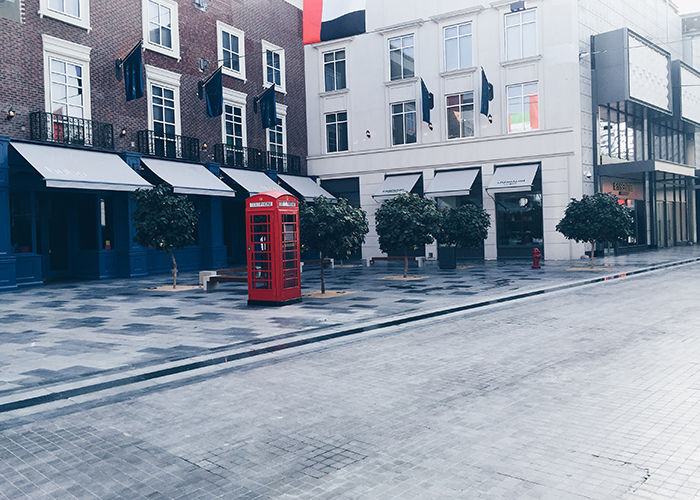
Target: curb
312,339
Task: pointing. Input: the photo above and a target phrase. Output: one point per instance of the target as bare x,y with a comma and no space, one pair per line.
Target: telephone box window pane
290,246
289,218
257,219
262,284
289,228
289,255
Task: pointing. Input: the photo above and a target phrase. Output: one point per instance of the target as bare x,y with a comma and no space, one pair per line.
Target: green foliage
406,221
466,226
163,220
597,218
335,230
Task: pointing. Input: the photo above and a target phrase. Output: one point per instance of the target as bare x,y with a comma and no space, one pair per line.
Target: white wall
564,143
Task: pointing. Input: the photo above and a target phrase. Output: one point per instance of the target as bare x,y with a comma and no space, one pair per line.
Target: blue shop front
65,213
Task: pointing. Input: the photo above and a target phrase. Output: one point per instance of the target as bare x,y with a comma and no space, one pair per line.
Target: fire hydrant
536,256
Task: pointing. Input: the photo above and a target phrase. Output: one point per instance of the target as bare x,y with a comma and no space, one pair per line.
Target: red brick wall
117,26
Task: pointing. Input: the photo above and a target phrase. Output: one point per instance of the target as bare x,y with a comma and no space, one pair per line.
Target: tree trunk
405,262
172,256
323,280
592,252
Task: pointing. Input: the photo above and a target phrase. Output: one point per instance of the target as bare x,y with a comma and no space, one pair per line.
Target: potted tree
466,226
404,222
334,230
164,220
598,218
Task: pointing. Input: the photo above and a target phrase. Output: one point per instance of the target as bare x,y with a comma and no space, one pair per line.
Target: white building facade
541,145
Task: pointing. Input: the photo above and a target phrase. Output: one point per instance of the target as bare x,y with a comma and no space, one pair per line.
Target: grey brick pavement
592,393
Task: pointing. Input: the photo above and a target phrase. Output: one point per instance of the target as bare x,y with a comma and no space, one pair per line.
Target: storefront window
519,224
21,223
107,223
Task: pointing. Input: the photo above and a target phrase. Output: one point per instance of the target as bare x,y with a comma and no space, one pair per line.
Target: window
273,66
160,27
276,144
231,46
21,222
163,109
460,115
66,82
233,125
401,59
458,47
334,70
107,222
337,132
523,108
403,123
521,34
76,12
67,89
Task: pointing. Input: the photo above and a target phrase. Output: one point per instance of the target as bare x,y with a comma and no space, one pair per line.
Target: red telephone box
272,232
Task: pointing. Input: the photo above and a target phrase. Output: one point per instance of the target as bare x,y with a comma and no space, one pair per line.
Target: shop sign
623,188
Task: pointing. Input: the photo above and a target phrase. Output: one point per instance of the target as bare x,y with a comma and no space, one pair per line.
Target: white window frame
460,105
444,45
282,115
347,130
416,112
83,21
166,79
334,63
238,100
173,51
220,28
270,46
415,58
522,98
520,25
55,48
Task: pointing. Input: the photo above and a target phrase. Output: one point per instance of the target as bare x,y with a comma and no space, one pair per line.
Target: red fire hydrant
536,256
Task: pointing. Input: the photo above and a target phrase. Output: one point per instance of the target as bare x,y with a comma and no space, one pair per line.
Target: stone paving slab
70,332
592,395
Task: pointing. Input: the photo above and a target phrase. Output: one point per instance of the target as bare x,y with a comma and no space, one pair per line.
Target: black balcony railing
252,158
168,145
49,127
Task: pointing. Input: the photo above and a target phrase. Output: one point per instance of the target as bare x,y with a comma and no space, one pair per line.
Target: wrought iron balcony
256,159
49,127
168,145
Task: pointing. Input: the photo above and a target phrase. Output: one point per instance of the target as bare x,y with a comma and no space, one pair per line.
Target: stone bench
317,261
210,279
371,260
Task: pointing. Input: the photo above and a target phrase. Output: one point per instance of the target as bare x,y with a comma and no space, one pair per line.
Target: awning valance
188,178
513,178
79,168
252,181
394,185
633,167
452,183
305,187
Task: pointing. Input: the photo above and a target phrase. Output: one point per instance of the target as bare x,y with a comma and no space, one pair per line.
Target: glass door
261,252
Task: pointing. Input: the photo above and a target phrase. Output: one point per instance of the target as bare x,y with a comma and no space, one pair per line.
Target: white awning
306,187
513,179
394,185
188,178
80,168
252,181
452,183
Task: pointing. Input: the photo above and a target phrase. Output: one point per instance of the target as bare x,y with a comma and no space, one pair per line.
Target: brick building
70,142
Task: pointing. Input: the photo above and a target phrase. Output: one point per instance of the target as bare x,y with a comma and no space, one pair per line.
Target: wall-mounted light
368,134
10,113
490,118
204,146
517,6
430,126
122,132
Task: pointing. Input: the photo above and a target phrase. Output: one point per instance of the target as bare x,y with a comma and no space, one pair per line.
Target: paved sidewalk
66,335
